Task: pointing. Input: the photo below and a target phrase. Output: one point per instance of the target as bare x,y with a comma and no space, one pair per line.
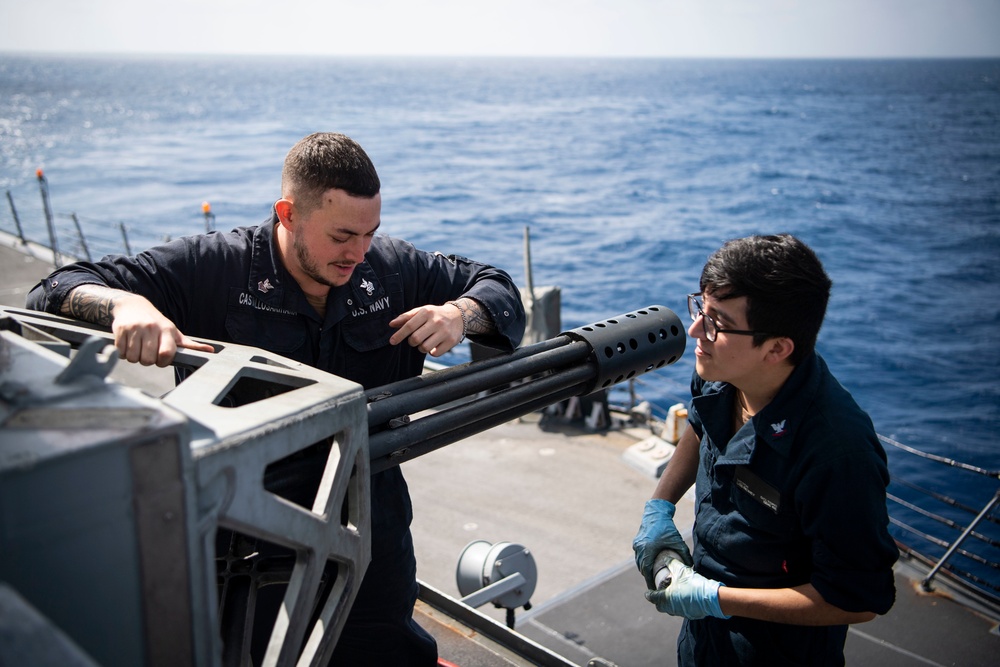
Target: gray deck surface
570,498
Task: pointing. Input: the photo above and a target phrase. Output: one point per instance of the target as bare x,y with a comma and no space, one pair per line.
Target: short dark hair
326,160
786,287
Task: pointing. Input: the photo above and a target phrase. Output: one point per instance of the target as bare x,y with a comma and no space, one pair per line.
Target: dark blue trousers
380,629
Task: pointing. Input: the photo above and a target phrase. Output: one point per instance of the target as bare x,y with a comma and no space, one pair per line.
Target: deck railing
71,238
972,556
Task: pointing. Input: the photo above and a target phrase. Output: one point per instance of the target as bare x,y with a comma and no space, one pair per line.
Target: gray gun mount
170,530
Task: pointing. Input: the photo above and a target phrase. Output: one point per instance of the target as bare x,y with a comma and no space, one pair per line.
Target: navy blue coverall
795,496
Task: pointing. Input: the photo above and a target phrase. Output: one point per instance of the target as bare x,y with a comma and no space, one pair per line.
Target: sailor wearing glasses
790,538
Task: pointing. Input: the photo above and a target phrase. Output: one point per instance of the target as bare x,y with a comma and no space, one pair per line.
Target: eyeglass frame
695,299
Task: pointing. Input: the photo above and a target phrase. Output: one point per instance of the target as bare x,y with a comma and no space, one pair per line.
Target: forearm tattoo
478,318
90,303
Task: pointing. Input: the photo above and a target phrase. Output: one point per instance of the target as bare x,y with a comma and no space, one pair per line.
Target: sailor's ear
780,349
285,210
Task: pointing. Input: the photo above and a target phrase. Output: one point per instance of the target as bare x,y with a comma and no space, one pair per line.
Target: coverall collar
774,426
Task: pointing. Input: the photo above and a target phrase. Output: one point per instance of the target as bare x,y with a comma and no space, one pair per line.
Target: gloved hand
689,594
657,533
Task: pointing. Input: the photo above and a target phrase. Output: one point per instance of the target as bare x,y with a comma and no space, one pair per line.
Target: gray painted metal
73,531
111,501
502,573
29,638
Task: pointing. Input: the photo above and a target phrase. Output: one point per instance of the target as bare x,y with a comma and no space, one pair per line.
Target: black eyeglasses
710,326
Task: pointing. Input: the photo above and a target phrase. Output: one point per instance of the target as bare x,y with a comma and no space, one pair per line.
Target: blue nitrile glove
657,533
689,594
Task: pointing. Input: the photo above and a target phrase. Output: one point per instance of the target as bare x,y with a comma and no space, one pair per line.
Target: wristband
465,319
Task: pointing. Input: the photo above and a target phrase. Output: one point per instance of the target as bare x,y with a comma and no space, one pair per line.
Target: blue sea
628,173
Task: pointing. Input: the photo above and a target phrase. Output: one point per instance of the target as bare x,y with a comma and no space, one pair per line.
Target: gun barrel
575,363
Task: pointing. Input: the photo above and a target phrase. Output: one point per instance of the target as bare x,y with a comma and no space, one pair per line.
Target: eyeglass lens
708,325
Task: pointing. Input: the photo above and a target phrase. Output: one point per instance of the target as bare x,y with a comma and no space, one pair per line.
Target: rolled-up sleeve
440,278
843,509
48,295
498,295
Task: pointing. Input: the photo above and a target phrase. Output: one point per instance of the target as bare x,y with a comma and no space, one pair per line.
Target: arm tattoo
90,303
479,320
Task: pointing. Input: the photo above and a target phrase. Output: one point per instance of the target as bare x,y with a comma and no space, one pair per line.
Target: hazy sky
712,28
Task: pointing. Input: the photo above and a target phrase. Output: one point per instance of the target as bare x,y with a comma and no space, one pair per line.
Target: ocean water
628,173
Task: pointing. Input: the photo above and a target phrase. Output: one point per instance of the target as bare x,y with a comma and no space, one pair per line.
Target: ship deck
570,497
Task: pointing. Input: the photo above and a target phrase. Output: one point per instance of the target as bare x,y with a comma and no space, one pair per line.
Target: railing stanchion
43,188
17,220
128,248
926,583
83,239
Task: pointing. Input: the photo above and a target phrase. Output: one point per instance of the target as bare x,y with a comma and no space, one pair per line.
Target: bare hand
432,329
144,335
